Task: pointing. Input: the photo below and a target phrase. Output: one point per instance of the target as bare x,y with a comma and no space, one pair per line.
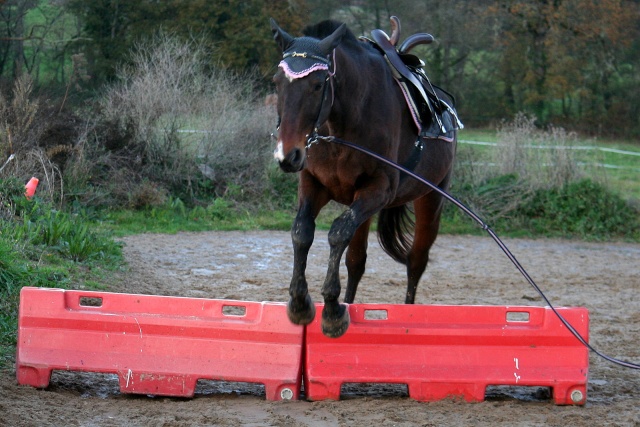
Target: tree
12,14
34,37
237,31
559,58
574,63
456,61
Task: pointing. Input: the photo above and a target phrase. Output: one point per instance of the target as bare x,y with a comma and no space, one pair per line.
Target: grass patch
174,216
583,209
219,215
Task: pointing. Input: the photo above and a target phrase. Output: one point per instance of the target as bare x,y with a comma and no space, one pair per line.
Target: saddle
433,116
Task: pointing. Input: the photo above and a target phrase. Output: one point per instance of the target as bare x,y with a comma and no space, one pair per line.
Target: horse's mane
326,28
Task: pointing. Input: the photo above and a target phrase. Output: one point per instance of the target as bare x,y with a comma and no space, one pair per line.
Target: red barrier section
451,351
158,345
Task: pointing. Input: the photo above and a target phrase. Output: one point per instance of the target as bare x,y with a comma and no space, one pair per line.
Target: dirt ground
256,266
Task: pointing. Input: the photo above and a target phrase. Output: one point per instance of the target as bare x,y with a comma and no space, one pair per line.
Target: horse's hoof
301,314
335,328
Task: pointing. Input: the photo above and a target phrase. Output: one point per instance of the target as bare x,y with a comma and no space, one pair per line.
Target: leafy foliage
583,208
238,29
572,62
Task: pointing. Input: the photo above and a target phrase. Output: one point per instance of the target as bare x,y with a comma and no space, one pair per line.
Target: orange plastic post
30,188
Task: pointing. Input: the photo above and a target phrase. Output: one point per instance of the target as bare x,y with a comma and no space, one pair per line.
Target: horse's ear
331,42
280,36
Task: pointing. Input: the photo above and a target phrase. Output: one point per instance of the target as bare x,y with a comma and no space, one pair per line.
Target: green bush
69,235
173,126
282,189
583,208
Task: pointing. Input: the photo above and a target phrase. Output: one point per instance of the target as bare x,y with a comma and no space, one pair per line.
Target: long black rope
485,227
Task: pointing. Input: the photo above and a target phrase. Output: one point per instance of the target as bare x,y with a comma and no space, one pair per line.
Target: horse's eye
317,87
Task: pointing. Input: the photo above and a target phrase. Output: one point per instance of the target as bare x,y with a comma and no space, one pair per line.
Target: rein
315,138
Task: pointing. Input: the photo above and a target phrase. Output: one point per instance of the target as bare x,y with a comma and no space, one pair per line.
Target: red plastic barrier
158,345
451,351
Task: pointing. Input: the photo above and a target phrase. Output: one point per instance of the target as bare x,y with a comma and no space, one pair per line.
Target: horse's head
304,96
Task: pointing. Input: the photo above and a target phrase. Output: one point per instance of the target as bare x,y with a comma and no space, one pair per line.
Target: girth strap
414,158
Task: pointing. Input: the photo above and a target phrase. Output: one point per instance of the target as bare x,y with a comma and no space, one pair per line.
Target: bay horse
329,83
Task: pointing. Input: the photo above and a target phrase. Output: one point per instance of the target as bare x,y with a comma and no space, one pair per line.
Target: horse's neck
355,82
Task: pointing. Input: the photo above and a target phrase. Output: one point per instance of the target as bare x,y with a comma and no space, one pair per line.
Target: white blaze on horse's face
297,110
278,153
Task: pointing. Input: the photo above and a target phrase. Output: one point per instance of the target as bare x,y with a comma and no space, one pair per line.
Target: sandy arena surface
256,266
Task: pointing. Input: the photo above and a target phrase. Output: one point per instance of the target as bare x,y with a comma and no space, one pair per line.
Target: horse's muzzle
293,161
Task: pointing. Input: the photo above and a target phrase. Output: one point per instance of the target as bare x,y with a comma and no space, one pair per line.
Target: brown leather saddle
433,116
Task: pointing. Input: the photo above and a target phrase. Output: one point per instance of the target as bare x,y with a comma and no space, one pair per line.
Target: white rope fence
571,147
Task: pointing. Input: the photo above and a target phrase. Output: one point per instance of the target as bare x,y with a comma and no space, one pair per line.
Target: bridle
328,85
323,111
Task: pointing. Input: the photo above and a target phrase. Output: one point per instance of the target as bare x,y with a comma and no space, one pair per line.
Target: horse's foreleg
335,317
300,309
356,260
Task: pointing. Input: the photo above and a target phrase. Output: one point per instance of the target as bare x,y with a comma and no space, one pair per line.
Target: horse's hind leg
428,210
356,260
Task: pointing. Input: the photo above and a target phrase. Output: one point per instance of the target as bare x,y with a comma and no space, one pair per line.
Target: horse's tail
395,232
